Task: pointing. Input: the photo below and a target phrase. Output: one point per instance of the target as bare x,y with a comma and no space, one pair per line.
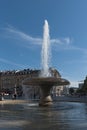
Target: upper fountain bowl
42,81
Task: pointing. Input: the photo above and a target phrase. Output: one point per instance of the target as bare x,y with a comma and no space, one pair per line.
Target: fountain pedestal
45,99
45,83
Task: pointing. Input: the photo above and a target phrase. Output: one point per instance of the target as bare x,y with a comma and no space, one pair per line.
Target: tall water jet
45,80
45,55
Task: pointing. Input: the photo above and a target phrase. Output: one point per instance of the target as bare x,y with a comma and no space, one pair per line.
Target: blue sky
21,32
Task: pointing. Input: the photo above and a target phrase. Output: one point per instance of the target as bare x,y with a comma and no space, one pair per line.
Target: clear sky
21,33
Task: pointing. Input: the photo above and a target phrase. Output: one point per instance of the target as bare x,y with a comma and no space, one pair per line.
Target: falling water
45,51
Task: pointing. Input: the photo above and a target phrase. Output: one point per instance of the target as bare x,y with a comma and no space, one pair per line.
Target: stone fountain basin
48,81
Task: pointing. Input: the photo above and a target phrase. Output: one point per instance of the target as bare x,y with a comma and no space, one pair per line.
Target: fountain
45,57
45,80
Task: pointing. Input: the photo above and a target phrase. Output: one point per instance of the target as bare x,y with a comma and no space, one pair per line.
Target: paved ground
61,99
9,101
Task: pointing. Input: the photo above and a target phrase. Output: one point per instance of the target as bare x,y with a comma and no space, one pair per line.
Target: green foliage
83,89
71,91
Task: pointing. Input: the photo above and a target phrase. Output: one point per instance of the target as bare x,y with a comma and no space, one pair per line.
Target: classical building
60,90
9,80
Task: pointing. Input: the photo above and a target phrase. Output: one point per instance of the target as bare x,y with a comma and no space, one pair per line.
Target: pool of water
29,116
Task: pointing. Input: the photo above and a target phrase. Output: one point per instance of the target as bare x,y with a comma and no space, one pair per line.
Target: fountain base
45,103
45,99
46,84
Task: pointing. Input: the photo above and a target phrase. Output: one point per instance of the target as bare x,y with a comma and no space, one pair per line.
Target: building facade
9,80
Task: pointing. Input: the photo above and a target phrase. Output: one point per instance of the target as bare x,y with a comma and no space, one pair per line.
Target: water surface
60,116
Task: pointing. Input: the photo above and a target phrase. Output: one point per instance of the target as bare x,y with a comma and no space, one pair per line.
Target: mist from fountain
46,53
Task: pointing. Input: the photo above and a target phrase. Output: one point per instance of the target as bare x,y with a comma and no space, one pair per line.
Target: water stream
45,54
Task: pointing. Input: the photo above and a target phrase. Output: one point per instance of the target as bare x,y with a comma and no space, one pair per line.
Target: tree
83,90
84,87
71,91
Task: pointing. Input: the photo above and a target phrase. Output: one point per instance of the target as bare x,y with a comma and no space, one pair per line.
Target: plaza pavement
58,98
